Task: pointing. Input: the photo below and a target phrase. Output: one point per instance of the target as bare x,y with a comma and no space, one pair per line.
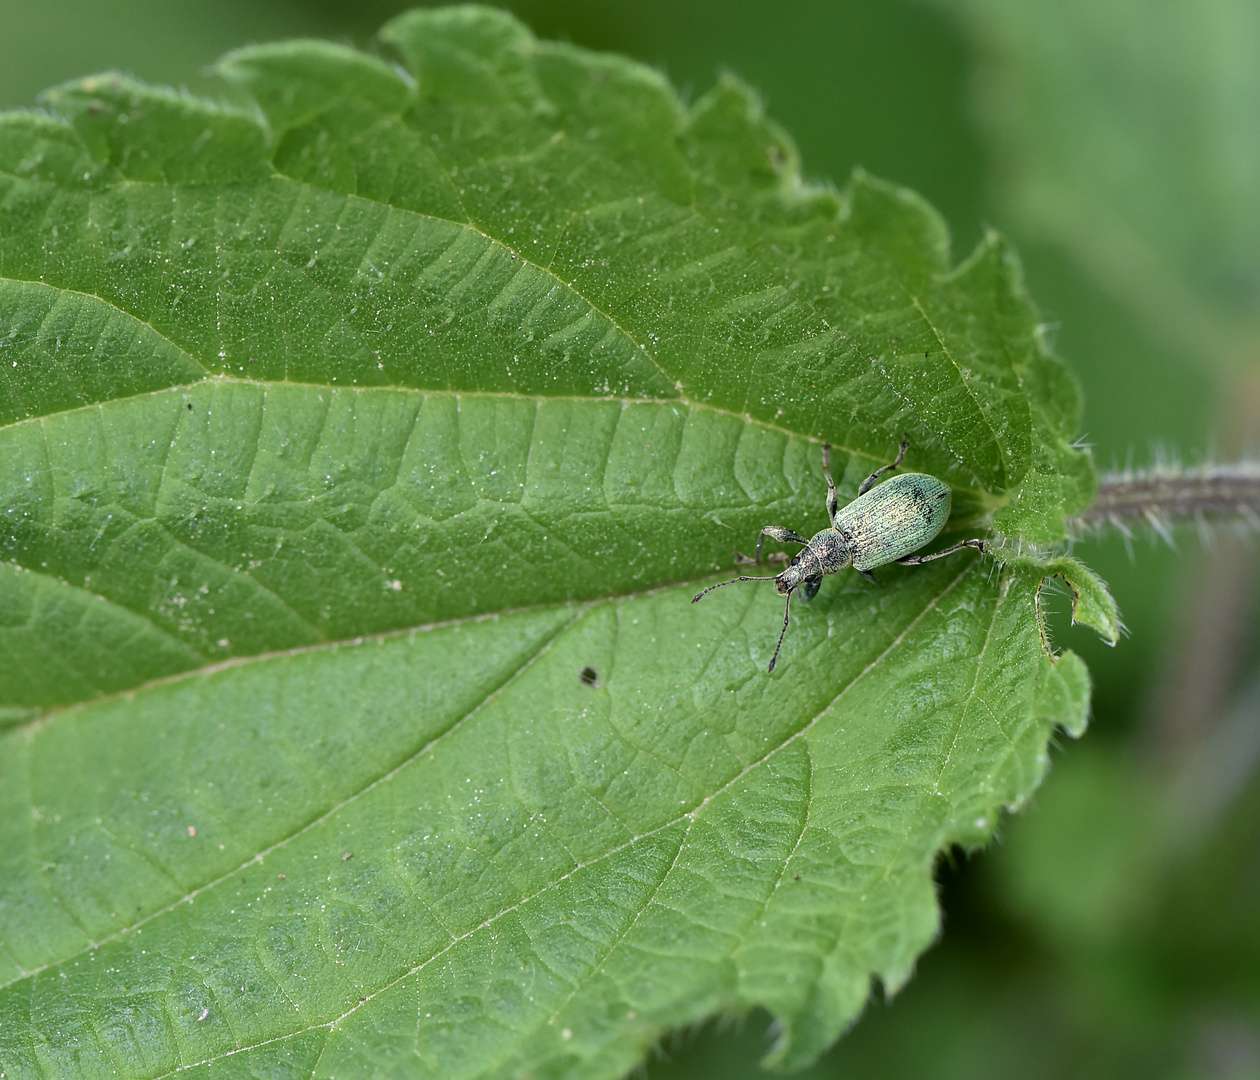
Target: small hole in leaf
589,676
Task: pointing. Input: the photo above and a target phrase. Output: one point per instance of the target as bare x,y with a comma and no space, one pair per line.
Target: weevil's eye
588,676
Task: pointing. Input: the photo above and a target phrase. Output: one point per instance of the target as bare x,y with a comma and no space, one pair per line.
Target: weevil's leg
787,617
869,482
810,587
779,533
832,502
720,584
869,574
915,560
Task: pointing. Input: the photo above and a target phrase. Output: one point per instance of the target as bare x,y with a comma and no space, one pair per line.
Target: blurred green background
1114,928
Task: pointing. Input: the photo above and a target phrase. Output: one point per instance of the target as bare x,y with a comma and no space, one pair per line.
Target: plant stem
1161,496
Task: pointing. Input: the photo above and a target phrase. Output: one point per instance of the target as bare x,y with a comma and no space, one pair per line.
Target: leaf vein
5,280
258,857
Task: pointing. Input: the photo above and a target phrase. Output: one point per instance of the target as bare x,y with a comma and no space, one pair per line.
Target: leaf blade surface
340,436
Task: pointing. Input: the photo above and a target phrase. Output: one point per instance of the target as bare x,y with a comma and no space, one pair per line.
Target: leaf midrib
148,618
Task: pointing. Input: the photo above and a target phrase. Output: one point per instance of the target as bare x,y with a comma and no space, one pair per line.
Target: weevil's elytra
893,520
882,525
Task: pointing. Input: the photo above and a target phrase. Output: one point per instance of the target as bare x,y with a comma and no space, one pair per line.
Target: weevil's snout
788,581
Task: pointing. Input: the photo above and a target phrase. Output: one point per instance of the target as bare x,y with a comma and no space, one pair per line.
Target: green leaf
1092,604
342,431
1065,694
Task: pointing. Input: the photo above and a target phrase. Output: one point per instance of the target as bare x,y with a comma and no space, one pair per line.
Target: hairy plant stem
1163,496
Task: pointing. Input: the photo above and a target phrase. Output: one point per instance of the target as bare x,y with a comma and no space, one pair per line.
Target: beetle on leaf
882,525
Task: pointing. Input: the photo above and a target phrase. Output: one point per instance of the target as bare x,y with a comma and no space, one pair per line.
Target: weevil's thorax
828,552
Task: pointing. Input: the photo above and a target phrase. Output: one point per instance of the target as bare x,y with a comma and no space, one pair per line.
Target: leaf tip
1092,602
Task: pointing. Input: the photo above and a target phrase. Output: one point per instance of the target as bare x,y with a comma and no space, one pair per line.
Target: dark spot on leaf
589,676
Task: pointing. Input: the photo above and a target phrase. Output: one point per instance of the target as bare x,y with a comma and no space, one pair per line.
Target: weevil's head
824,554
804,565
789,580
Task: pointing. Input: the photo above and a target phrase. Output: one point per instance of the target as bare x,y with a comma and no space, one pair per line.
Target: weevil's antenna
787,615
720,584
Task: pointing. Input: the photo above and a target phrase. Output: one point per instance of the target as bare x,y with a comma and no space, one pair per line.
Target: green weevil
880,526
